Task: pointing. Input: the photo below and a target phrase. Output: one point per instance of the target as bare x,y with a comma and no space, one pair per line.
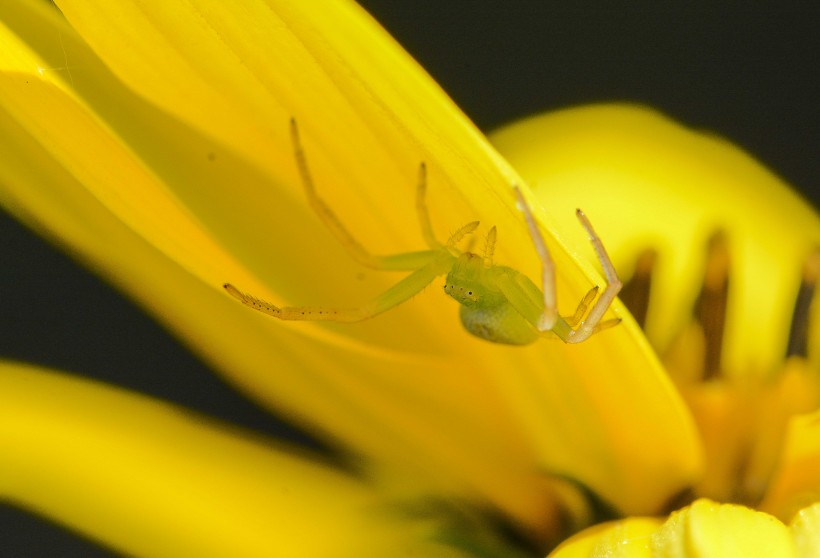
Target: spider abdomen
499,323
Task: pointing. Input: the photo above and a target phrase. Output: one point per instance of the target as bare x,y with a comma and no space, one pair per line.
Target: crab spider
498,303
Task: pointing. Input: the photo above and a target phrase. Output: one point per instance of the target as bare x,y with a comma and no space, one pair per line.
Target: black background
747,74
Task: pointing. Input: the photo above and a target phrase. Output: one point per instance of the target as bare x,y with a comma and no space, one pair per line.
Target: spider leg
582,308
395,295
611,289
549,315
489,246
398,262
422,211
576,329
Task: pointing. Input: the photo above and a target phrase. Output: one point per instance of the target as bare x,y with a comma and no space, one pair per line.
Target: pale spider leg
489,246
606,324
326,214
395,295
549,315
610,292
423,213
519,291
399,262
583,306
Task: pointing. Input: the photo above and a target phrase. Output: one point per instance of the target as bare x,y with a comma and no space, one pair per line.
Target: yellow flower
733,320
162,160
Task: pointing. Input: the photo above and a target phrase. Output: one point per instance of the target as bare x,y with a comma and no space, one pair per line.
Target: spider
498,303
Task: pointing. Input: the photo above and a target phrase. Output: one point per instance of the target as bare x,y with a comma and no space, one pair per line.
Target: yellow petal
743,424
151,260
707,529
646,181
150,479
704,529
629,538
805,528
171,203
796,481
238,73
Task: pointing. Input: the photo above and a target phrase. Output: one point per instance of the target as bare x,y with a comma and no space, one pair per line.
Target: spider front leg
399,262
395,295
549,319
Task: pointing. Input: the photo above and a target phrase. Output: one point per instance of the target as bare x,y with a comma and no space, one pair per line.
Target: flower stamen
636,292
710,307
799,332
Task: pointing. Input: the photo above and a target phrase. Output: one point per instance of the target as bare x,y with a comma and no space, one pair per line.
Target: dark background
749,75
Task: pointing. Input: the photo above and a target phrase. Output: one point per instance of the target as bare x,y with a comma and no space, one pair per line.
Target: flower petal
150,479
796,481
629,538
169,207
704,529
709,529
65,182
744,426
238,74
805,528
646,181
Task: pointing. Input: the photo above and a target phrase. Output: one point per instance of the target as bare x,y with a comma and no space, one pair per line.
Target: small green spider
498,303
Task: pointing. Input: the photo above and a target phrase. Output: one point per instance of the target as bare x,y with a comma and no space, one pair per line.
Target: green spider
498,303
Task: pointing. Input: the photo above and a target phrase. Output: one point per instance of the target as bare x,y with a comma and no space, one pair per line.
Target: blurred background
749,75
